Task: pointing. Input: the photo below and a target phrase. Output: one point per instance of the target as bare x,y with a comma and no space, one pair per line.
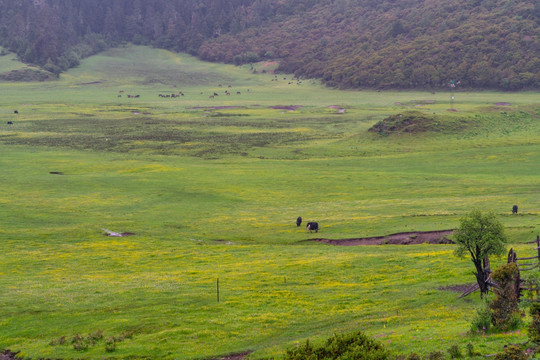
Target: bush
512,352
347,346
470,351
251,57
481,322
505,313
455,352
413,356
436,355
110,344
534,327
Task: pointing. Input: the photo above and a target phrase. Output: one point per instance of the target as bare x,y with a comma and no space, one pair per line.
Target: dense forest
347,43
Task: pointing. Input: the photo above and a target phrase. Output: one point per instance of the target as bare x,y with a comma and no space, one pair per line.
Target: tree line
347,43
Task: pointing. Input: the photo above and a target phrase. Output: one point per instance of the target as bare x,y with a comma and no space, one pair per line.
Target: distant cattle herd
174,95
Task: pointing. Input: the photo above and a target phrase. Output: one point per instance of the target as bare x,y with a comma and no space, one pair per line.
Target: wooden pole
538,246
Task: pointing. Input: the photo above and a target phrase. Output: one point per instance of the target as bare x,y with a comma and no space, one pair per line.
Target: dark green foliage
455,352
471,352
83,343
413,356
384,44
534,327
348,346
110,344
436,355
28,75
480,234
512,352
389,44
417,122
505,308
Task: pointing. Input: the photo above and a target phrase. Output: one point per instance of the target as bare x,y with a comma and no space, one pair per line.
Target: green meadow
212,187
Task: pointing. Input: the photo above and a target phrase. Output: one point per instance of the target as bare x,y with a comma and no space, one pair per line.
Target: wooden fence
530,287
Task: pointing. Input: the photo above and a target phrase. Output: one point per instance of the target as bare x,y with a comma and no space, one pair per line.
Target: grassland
212,188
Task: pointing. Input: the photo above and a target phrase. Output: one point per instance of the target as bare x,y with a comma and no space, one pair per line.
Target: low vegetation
208,194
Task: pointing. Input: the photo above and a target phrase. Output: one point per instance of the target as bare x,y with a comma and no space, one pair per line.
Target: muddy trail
405,238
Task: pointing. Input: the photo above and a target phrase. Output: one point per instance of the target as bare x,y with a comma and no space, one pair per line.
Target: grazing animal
16,112
215,94
514,209
238,93
299,221
10,122
211,97
312,226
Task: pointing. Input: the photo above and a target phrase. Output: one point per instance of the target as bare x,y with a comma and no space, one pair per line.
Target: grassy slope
182,178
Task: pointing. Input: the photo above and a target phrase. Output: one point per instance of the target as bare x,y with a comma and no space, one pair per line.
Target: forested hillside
347,43
401,44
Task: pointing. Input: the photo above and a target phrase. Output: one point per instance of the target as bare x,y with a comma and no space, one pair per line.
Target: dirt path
405,238
239,356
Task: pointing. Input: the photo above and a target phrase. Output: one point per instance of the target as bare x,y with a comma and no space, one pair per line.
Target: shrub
60,341
110,344
95,336
436,355
512,352
505,313
413,356
534,327
251,57
481,322
77,338
80,346
346,346
471,352
455,352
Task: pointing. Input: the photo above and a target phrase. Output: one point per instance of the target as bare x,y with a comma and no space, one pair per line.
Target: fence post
217,288
538,247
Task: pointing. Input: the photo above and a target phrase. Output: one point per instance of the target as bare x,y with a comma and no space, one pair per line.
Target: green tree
480,234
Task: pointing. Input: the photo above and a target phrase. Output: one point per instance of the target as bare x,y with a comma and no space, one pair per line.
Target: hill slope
415,43
365,43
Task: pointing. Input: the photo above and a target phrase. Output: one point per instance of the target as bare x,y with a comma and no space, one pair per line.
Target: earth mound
405,238
407,122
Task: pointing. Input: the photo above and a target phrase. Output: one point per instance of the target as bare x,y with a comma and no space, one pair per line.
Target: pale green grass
214,193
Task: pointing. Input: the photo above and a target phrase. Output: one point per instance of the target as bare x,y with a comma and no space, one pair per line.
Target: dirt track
406,238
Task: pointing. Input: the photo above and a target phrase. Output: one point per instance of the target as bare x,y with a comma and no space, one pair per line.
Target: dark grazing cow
514,209
312,226
299,221
16,111
10,122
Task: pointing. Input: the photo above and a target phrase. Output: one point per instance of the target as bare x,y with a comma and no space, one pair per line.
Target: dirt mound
289,108
214,107
407,122
406,238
